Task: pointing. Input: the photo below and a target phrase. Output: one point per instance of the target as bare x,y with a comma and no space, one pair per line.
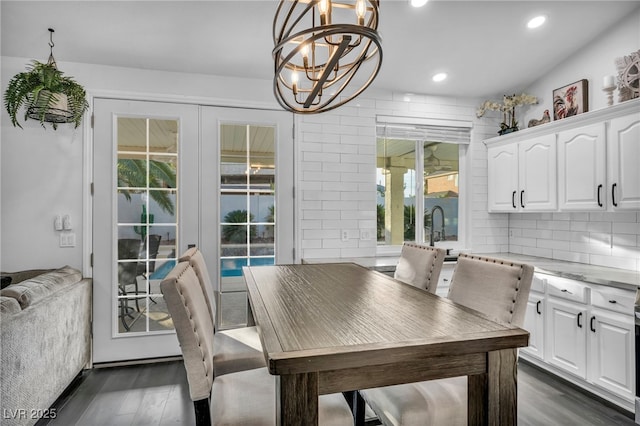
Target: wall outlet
344,235
365,235
67,239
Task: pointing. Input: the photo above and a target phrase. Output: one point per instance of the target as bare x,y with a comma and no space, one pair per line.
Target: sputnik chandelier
320,45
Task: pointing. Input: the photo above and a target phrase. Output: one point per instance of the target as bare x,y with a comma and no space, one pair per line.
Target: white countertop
621,278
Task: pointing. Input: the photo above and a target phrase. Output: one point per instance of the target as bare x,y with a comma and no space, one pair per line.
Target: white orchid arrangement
508,108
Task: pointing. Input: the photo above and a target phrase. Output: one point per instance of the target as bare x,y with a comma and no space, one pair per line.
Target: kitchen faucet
433,225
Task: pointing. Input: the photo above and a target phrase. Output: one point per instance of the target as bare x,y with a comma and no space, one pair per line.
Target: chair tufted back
194,327
497,288
420,266
196,259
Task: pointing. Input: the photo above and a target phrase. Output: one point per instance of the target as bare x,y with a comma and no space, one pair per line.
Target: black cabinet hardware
578,318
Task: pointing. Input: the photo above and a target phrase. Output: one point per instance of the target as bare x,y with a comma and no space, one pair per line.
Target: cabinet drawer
567,289
613,299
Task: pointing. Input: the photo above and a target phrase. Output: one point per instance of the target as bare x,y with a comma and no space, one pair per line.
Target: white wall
592,64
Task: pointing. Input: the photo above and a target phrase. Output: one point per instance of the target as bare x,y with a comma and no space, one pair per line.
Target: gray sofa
45,341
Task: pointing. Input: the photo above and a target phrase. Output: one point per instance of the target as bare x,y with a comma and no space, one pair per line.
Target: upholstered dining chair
235,349
241,398
498,289
420,266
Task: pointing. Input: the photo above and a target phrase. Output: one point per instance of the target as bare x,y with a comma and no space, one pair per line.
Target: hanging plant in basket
46,94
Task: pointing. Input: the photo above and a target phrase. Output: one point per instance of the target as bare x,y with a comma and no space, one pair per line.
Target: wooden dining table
328,328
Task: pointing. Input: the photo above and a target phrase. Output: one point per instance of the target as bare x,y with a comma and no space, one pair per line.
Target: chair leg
356,403
203,413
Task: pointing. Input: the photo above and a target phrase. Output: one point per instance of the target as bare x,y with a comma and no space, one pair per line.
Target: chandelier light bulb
360,11
418,3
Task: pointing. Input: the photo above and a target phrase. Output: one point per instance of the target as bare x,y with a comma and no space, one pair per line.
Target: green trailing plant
38,91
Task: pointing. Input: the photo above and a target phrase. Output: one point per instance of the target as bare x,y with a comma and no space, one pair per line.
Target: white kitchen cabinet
623,160
537,175
588,335
611,349
502,177
566,336
587,162
534,318
582,168
522,176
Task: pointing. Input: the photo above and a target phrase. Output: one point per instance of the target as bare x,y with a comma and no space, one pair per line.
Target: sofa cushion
32,290
17,277
9,305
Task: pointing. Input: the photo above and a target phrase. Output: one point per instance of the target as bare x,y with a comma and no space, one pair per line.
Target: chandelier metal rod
337,54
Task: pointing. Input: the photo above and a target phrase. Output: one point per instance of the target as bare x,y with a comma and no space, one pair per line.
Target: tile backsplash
602,238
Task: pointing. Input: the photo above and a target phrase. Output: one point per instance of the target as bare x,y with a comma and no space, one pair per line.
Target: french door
170,175
247,200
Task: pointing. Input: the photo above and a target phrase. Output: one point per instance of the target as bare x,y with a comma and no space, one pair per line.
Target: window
419,194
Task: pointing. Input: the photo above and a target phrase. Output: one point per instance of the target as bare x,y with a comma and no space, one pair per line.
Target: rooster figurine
545,119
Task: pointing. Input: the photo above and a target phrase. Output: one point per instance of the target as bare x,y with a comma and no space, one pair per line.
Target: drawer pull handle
564,290
522,199
591,324
613,301
578,318
613,194
513,199
538,307
445,280
599,200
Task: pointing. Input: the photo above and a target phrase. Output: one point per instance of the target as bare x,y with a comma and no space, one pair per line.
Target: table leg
493,396
298,399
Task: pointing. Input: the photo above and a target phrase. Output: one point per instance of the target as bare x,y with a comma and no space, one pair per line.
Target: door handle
522,198
578,318
538,307
613,194
599,191
591,324
513,199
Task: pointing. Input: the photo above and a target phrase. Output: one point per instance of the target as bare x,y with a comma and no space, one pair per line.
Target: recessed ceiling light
536,22
441,76
418,3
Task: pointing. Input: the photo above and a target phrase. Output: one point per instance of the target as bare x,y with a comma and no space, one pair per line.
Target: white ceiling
484,46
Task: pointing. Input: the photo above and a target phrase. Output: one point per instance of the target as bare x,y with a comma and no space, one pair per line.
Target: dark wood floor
158,394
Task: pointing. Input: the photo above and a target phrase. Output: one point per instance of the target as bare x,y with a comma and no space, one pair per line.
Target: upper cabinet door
624,157
502,178
581,168
537,175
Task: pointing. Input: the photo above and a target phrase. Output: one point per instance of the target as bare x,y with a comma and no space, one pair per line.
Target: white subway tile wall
603,238
336,190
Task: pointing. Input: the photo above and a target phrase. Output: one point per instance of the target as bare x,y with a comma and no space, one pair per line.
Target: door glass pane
441,191
247,211
396,197
147,221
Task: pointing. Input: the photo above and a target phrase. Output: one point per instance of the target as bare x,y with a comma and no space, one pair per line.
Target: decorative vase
507,130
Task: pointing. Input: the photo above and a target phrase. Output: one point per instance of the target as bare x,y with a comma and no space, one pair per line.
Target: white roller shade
450,131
